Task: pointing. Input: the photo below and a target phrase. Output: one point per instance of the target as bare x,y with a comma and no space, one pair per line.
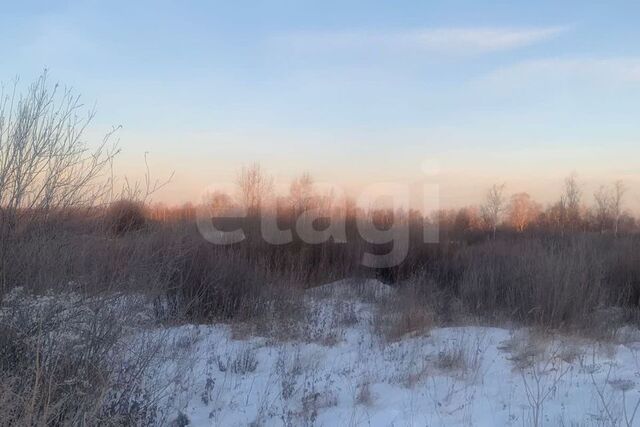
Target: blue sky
522,92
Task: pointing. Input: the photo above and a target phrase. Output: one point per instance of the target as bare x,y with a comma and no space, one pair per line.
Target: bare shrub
314,401
550,283
124,216
206,283
282,314
402,314
364,395
64,363
289,369
524,348
244,362
347,314
451,359
181,420
541,363
45,165
462,356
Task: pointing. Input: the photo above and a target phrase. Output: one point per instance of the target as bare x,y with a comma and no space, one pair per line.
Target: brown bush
125,216
207,284
554,283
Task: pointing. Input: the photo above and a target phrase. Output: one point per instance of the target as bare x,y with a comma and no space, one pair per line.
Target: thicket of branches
61,358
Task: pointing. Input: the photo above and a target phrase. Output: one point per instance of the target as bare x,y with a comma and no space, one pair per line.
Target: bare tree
301,193
219,202
254,186
465,220
45,165
556,215
493,207
616,200
571,201
602,212
522,211
608,206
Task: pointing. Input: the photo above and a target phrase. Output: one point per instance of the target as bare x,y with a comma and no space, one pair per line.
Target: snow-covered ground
331,361
341,371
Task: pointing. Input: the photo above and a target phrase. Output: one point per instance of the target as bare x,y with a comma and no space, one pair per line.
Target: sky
354,92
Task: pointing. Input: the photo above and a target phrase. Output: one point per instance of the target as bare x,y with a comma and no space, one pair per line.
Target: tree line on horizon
516,213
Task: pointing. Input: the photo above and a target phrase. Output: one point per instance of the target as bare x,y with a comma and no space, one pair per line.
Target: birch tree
493,207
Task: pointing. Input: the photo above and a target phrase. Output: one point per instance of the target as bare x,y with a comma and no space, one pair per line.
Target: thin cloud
620,69
480,40
442,40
